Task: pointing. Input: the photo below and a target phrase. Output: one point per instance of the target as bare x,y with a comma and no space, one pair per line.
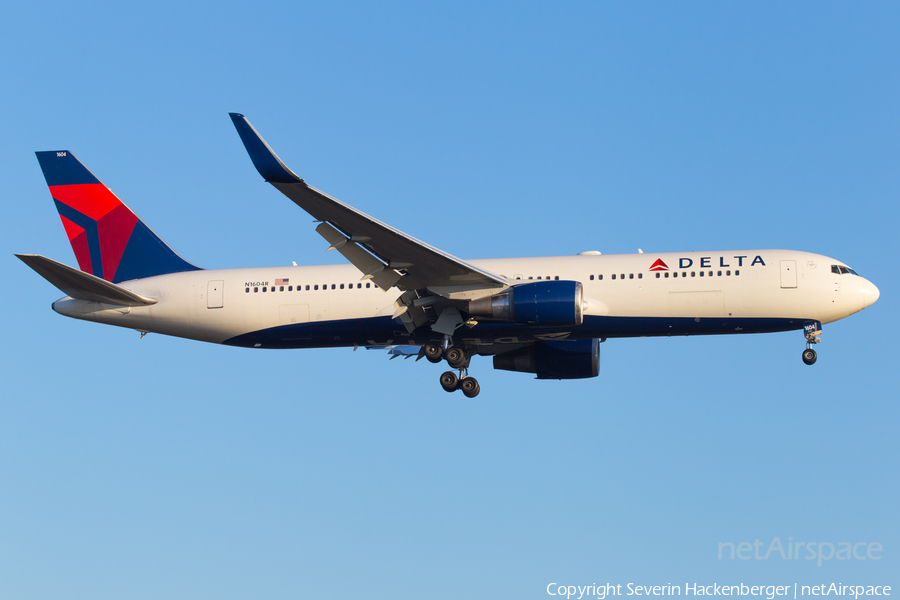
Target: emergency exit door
214,294
788,273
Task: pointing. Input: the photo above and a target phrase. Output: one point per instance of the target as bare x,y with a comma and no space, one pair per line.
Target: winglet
264,159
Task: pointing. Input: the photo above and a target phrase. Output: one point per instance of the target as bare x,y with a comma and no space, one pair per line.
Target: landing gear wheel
469,387
449,381
456,358
434,353
809,356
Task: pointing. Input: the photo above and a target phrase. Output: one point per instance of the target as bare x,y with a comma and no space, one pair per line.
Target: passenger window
539,276
592,277
640,275
694,274
614,275
719,273
247,290
737,272
556,278
601,277
727,273
291,288
657,275
702,273
255,290
533,278
264,289
667,274
622,276
332,286
710,273
367,285
316,287
631,276
342,286
281,289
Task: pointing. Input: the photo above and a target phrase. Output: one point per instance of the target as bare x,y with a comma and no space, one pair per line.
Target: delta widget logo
659,265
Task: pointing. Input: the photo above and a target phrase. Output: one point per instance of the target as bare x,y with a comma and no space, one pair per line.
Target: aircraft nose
870,294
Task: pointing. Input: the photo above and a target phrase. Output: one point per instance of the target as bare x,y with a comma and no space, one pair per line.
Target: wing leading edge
384,254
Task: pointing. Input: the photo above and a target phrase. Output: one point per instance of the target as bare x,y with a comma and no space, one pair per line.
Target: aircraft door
215,294
788,274
290,314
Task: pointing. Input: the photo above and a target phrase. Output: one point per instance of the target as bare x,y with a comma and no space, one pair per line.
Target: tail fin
110,241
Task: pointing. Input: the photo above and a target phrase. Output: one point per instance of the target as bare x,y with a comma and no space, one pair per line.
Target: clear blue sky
165,468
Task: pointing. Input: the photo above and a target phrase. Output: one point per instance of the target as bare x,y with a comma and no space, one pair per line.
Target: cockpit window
843,270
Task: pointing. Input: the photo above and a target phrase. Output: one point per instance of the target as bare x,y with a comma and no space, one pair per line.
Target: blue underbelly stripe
385,331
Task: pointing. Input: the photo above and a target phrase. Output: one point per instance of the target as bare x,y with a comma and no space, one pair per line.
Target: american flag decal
281,281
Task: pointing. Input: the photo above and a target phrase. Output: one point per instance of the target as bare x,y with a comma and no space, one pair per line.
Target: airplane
541,315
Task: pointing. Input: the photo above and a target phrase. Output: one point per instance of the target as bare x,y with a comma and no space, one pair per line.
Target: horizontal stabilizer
81,285
404,351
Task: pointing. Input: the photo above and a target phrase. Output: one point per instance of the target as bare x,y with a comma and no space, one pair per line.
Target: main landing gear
451,382
812,332
459,360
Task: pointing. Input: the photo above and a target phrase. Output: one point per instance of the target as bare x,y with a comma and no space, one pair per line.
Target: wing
384,254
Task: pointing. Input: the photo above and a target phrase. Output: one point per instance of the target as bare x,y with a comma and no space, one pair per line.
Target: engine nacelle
575,359
550,303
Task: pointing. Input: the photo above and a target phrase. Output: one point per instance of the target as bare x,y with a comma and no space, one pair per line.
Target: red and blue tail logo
109,240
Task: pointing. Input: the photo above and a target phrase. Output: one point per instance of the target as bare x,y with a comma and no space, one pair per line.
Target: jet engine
575,359
550,303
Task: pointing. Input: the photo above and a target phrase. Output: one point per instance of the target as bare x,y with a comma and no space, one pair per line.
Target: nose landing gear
809,356
811,331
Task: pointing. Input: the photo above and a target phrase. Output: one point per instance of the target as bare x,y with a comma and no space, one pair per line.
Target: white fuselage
315,306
